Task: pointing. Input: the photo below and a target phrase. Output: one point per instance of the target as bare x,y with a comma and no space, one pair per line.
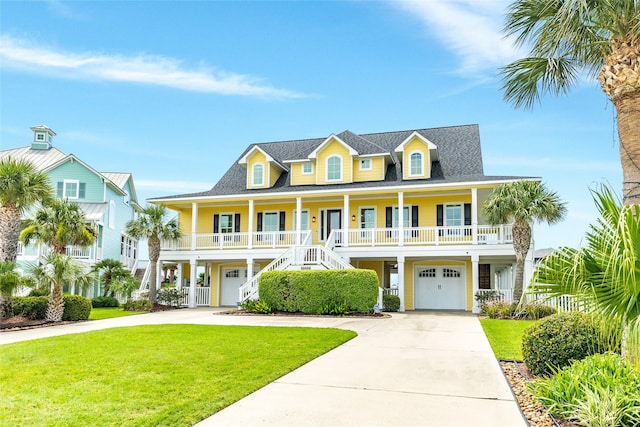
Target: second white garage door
440,288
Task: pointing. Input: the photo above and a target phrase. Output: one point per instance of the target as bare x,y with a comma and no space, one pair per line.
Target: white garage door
440,288
232,279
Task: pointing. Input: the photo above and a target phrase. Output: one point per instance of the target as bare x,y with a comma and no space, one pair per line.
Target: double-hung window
453,219
416,164
258,174
334,168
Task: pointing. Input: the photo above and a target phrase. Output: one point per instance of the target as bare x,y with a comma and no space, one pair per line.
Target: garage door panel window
449,272
429,272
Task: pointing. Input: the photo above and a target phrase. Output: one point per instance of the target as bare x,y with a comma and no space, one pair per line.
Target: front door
334,221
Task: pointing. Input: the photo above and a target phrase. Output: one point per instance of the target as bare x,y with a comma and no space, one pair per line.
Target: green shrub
39,292
536,311
31,307
98,302
600,390
76,307
257,306
390,302
169,296
555,341
496,309
310,291
137,305
334,308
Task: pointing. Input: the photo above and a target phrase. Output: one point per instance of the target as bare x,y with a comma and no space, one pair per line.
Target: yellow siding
274,174
298,178
375,265
416,145
331,149
375,174
257,157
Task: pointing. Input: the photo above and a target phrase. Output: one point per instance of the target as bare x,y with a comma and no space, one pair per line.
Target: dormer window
258,174
334,168
40,137
365,164
307,168
416,164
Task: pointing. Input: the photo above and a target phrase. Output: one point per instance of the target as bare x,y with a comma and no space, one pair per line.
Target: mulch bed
517,376
234,312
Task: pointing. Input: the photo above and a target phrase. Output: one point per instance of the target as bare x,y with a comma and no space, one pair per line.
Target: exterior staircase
295,258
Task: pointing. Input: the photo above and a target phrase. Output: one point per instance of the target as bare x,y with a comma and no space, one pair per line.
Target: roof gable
327,142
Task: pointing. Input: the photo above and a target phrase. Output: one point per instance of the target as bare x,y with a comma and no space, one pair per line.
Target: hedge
76,307
313,291
101,301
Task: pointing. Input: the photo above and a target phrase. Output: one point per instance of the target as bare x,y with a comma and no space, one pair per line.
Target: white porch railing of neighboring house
390,291
563,303
421,236
294,256
203,296
144,283
223,241
505,295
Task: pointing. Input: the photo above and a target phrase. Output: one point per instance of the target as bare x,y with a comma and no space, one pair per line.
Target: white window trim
327,169
253,175
411,163
375,216
370,167
295,219
64,188
395,222
444,214
233,221
302,167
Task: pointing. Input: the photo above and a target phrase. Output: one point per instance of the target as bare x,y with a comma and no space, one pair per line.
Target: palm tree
59,224
153,225
58,270
601,37
108,271
9,280
21,186
522,202
604,274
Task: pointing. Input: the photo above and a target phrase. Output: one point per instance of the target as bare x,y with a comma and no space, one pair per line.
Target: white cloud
142,69
472,29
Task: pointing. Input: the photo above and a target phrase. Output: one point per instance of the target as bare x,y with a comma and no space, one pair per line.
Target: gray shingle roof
459,154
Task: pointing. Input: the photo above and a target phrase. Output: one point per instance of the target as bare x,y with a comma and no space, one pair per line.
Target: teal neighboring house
108,200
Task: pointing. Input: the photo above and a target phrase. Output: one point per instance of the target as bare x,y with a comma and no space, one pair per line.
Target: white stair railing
144,283
295,256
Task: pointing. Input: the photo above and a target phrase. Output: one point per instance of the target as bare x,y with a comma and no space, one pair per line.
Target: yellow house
405,204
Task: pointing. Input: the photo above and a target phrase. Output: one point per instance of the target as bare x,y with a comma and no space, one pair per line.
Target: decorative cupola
42,138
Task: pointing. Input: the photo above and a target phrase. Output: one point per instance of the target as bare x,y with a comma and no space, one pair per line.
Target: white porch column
158,275
400,260
298,219
474,215
194,224
250,226
249,273
475,281
193,274
180,275
345,222
400,221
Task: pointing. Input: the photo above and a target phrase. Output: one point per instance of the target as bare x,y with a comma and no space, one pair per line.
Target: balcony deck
372,237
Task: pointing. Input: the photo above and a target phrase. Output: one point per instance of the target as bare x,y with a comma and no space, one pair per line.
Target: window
406,217
226,223
334,168
367,218
416,164
270,221
453,215
450,272
232,273
258,174
40,136
71,188
365,164
427,272
305,219
307,168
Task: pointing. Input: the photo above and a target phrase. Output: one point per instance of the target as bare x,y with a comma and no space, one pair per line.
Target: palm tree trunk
628,112
55,309
521,232
6,307
10,224
154,254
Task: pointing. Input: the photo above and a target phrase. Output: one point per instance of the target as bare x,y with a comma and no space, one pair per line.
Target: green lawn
109,312
174,375
505,337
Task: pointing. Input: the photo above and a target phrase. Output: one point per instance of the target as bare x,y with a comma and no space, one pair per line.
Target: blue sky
174,91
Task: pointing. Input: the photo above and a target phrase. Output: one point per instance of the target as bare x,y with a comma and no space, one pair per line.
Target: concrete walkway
414,369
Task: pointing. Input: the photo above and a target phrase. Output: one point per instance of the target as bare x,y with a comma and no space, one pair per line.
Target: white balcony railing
413,236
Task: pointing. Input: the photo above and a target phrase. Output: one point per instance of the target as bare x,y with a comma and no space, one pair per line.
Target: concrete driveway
413,369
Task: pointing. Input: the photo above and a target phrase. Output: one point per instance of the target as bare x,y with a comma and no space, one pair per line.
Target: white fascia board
314,153
243,160
395,188
415,134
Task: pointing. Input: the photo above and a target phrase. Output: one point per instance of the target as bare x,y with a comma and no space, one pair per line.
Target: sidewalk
414,369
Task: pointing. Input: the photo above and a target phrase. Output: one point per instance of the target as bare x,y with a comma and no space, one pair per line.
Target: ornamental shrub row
98,302
320,291
76,307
